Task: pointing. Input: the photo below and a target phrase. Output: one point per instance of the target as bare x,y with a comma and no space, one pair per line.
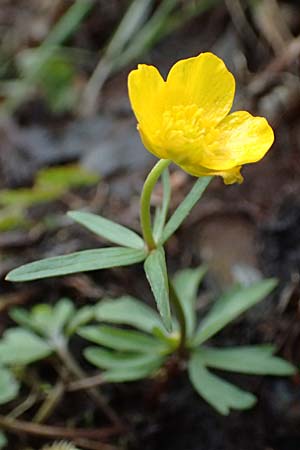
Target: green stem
180,317
145,214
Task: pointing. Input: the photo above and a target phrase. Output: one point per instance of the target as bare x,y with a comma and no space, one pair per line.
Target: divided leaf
156,273
186,283
127,310
220,394
77,262
81,317
44,319
9,387
107,359
230,306
21,347
122,340
107,229
131,374
257,360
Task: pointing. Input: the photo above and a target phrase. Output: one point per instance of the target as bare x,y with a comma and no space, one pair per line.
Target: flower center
184,129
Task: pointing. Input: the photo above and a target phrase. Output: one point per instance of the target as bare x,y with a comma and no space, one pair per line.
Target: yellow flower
186,118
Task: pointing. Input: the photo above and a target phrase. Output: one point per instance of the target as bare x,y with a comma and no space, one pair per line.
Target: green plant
127,355
203,140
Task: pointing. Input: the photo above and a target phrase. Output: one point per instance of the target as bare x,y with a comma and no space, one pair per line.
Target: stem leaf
156,273
107,229
77,262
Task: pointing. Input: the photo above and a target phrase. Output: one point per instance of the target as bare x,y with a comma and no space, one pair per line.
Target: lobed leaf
131,374
77,262
257,360
186,283
21,347
127,310
107,229
81,317
230,306
122,340
9,387
106,359
220,394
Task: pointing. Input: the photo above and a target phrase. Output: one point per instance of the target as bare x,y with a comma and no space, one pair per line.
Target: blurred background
68,140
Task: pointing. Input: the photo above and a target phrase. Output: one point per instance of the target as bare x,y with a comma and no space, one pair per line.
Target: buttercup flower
186,118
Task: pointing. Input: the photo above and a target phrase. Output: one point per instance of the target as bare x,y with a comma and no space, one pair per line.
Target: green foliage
220,394
83,261
156,272
107,229
20,347
54,323
127,310
122,340
127,355
256,359
9,388
186,283
3,440
231,305
43,331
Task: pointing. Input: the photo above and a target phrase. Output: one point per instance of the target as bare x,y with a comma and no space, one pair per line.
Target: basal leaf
81,317
131,374
251,359
128,311
107,359
156,273
63,311
107,229
186,283
83,261
185,207
122,340
220,394
230,306
20,347
9,387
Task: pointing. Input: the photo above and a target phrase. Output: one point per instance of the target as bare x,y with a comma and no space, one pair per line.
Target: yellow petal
152,144
205,81
229,176
146,90
239,139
